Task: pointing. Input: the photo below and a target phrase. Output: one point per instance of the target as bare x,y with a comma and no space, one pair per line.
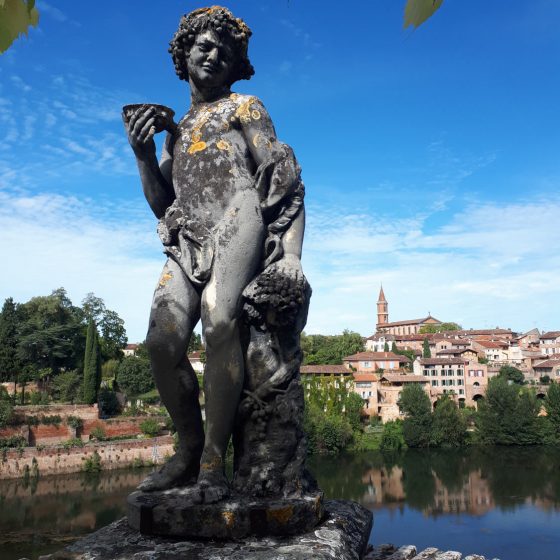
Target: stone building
411,326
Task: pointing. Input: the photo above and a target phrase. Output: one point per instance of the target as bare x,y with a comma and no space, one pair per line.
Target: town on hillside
443,359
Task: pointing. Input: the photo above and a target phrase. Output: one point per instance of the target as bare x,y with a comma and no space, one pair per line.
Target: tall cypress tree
9,339
426,349
92,364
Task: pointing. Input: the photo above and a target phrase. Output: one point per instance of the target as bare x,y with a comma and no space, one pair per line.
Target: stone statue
229,200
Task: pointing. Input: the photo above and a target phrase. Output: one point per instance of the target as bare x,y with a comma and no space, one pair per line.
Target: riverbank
61,459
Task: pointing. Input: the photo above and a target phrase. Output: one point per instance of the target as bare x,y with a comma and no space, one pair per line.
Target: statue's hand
289,265
141,130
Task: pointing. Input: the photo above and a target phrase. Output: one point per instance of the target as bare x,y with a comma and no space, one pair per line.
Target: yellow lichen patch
229,518
165,277
280,515
223,145
196,136
256,114
244,110
197,147
259,141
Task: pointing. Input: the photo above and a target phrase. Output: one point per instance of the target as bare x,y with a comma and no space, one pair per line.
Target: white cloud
489,264
50,240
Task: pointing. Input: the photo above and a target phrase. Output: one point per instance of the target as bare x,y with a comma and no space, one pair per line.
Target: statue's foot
176,472
212,486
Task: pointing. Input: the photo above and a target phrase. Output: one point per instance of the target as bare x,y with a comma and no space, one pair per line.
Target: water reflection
38,516
465,491
436,482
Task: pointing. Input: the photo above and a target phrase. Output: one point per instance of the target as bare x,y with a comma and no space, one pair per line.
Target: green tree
416,12
134,375
508,415
511,373
386,347
449,427
113,334
417,425
442,327
195,343
10,319
426,353
16,17
322,349
552,407
66,386
52,335
92,365
394,348
6,408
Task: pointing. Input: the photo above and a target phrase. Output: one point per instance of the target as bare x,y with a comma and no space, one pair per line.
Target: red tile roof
491,344
550,334
376,356
441,361
396,378
409,322
325,369
553,362
365,377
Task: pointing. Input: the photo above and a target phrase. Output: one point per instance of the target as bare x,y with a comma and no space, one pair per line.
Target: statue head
219,24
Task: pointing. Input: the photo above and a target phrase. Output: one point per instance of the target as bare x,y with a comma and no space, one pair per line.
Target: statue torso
211,160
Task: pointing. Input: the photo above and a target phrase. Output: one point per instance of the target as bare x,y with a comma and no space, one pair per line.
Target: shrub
72,442
108,402
392,438
150,427
13,442
74,422
93,463
97,433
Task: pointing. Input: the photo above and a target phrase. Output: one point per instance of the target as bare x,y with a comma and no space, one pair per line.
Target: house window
434,383
366,364
461,391
426,372
391,365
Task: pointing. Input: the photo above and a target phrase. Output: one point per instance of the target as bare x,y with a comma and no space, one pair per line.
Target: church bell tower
382,309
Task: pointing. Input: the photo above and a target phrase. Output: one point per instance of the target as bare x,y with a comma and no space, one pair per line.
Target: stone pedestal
172,513
343,534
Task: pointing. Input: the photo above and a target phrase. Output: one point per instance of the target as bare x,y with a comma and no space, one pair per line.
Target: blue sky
430,158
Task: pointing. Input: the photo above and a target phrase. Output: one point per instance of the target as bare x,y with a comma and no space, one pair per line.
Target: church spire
381,296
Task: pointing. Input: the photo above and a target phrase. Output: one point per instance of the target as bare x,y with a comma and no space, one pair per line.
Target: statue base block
173,513
342,534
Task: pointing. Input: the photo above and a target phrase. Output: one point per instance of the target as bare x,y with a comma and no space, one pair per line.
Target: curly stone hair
223,22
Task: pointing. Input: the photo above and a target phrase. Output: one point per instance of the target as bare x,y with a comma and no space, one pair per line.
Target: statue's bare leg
175,312
238,252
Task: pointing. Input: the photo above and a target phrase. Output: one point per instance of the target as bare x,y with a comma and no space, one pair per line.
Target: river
499,502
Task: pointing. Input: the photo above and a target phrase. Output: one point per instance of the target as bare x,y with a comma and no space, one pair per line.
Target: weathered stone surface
391,552
403,553
173,513
342,535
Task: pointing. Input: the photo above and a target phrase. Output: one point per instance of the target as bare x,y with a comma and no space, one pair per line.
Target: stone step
409,552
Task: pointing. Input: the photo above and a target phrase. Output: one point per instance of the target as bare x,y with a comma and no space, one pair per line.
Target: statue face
210,60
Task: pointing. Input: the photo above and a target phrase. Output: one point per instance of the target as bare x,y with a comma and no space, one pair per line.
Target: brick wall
57,460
